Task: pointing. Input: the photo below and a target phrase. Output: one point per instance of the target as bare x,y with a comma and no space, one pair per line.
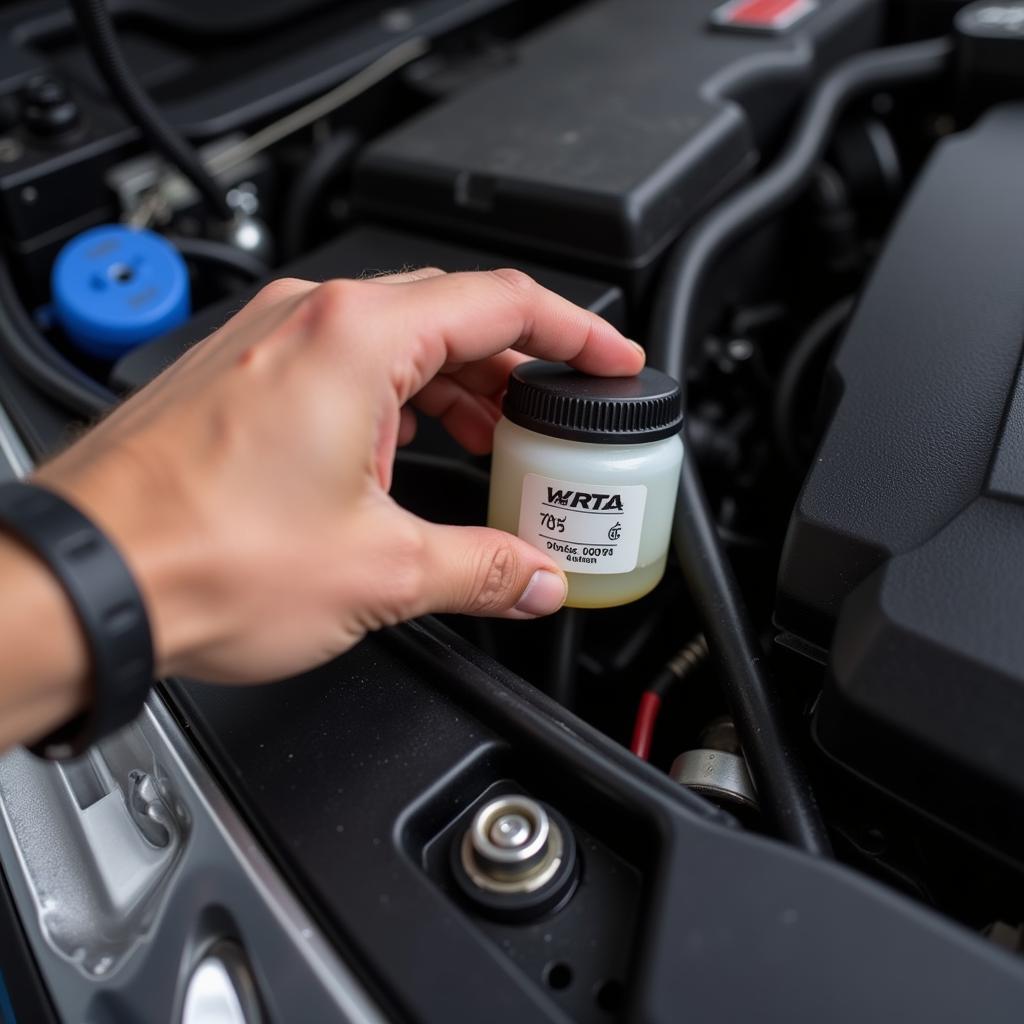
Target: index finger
462,318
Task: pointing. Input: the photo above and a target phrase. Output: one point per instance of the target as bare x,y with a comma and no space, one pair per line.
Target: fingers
406,427
468,417
477,571
464,318
464,324
467,399
488,376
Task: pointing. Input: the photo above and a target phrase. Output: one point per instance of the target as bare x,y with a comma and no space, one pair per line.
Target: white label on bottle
583,527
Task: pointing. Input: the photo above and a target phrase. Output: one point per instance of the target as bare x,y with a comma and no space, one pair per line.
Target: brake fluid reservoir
586,469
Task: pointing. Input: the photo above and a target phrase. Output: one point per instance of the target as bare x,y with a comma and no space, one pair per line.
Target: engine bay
785,784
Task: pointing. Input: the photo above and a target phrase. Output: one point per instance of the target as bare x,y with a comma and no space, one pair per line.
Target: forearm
44,665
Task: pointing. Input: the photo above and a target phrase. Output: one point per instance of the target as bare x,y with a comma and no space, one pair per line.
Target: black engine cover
906,550
616,126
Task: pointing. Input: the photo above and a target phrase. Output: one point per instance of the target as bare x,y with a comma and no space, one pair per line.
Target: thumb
478,571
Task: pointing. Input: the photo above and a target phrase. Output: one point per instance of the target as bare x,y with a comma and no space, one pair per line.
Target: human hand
247,487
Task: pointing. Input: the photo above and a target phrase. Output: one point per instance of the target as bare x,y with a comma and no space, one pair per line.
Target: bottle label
591,528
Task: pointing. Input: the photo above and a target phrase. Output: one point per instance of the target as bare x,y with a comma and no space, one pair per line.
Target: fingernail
544,594
639,348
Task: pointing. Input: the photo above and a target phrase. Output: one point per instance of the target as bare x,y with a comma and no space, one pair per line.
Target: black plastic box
617,125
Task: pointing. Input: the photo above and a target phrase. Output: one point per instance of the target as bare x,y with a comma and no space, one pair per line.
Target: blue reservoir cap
114,287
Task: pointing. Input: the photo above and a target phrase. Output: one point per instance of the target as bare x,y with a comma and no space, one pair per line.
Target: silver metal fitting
716,774
249,234
717,769
690,658
512,846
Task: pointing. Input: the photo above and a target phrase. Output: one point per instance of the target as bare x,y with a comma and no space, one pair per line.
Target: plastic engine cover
614,128
907,545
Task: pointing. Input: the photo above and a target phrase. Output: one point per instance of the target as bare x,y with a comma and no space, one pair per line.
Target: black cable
773,757
220,255
562,677
40,363
328,160
808,345
97,29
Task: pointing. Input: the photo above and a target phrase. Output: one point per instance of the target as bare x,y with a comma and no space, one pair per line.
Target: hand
247,486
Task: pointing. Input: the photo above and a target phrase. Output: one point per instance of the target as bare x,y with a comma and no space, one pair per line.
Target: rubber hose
220,255
328,160
41,364
773,757
98,30
807,346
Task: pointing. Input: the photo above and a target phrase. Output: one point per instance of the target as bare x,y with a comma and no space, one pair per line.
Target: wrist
146,528
46,657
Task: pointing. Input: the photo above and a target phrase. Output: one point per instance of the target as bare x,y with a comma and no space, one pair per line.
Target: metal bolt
740,350
512,846
45,90
510,831
244,198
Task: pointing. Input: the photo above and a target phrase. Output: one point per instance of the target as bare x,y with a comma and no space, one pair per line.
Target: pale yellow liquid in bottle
655,466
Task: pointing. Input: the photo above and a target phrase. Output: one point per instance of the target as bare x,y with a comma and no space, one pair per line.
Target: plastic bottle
587,469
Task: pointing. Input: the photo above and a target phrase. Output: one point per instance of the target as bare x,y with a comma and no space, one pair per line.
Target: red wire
643,728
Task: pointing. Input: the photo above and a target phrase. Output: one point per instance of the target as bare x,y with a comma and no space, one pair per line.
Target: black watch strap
106,600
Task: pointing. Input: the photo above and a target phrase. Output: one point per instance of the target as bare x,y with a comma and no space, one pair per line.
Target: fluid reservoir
115,287
586,469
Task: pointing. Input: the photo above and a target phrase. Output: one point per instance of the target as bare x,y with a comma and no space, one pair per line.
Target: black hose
328,160
822,329
783,788
565,661
220,255
753,204
41,364
782,784
97,29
